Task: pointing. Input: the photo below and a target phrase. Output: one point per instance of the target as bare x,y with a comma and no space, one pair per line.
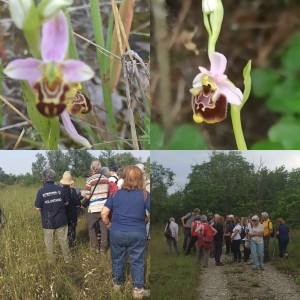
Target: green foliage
58,161
184,137
228,184
80,162
281,90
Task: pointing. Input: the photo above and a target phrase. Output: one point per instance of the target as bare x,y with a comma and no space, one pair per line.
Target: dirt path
235,281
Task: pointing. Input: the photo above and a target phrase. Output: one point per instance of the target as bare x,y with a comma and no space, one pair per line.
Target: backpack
117,179
272,231
168,233
208,234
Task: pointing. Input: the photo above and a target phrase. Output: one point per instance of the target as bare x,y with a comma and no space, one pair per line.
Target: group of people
118,206
209,232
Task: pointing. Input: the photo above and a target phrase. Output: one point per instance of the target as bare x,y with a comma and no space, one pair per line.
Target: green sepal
47,128
247,83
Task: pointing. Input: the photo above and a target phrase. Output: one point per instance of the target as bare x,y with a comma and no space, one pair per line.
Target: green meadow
24,270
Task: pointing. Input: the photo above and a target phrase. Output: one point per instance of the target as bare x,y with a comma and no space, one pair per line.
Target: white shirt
238,235
174,229
259,228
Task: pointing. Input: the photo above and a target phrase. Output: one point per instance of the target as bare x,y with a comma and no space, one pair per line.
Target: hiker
194,235
98,188
236,240
282,234
128,230
113,176
51,201
187,221
146,180
228,228
120,174
210,218
72,207
171,234
268,232
205,240
256,234
218,238
2,219
245,238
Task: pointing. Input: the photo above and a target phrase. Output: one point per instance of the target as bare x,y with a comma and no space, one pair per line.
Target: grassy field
292,265
175,277
24,271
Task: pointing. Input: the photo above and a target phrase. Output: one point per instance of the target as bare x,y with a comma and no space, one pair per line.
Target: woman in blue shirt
128,229
282,233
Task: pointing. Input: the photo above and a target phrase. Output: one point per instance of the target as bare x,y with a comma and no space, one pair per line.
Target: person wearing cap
187,221
256,234
51,202
113,176
268,229
173,226
72,208
194,234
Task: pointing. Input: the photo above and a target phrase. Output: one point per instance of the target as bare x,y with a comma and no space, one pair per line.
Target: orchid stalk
53,80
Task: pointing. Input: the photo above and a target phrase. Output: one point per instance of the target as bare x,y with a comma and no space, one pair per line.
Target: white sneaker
286,256
117,288
140,293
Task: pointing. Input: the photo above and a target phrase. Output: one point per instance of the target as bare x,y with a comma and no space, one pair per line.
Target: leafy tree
125,159
58,161
80,162
38,166
107,158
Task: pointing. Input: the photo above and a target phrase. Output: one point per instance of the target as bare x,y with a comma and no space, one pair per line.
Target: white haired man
268,230
98,189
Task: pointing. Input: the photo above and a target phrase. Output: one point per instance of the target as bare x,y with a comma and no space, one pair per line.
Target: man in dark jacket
51,201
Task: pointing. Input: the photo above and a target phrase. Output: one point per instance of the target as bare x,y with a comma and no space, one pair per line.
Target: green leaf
264,81
47,128
267,145
157,137
187,137
286,132
291,58
247,82
285,97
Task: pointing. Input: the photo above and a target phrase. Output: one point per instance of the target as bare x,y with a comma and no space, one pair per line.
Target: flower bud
19,10
50,8
209,6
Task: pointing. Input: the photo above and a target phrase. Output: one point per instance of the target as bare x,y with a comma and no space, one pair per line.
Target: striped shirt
100,194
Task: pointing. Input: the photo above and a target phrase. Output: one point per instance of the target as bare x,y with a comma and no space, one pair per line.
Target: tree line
76,161
227,184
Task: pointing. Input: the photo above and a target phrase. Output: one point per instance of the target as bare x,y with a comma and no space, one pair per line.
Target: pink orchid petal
76,71
73,132
55,39
197,81
218,63
24,69
232,93
205,71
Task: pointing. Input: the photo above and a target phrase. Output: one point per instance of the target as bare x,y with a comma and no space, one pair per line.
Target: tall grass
24,270
291,265
172,277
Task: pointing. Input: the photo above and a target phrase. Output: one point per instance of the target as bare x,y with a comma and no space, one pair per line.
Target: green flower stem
237,127
103,63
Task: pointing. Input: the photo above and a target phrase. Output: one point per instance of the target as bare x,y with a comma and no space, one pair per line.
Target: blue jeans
132,243
257,254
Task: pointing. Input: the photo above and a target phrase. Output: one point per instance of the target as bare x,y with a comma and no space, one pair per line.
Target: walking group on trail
117,207
208,233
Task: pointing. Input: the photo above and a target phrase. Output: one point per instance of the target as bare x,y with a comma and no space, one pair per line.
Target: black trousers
236,249
187,235
218,251
192,243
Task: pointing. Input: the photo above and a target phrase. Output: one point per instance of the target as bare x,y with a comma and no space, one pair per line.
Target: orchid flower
212,91
53,77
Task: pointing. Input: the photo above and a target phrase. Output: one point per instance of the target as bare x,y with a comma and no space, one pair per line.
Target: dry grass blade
19,139
16,110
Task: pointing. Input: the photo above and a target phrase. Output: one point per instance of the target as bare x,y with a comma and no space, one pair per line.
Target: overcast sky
180,162
20,161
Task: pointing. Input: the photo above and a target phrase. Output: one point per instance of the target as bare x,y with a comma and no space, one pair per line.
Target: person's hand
108,225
